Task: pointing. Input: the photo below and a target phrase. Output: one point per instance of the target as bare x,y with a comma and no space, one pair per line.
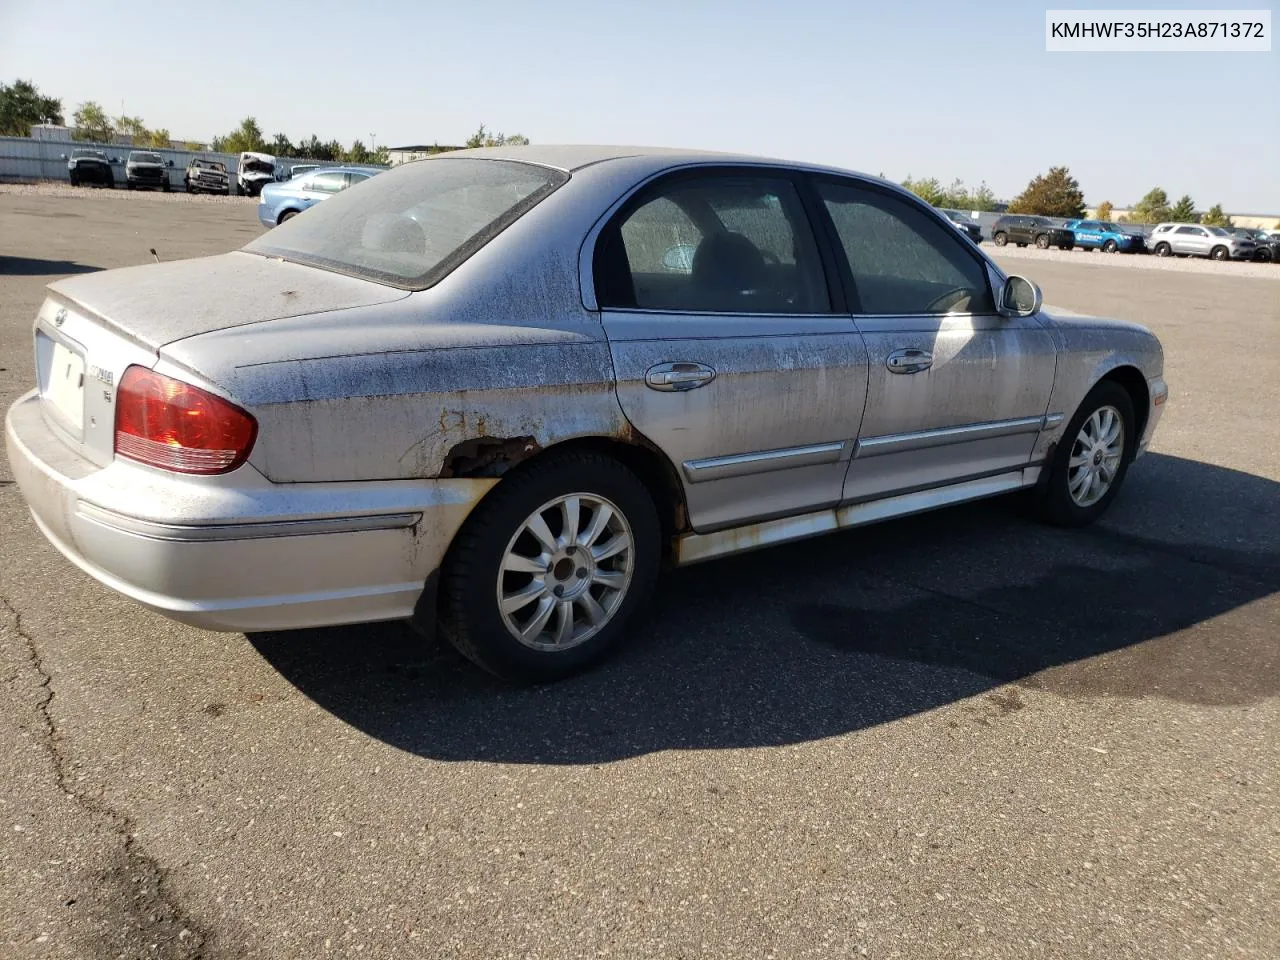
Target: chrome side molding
901,442
743,464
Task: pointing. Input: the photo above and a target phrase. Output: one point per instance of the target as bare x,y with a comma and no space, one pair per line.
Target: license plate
64,385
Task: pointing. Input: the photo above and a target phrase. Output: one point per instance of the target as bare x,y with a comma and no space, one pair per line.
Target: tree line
1052,194
22,106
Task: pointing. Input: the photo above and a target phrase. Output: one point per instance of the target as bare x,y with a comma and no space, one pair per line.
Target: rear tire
1069,497
1219,253
1000,239
495,555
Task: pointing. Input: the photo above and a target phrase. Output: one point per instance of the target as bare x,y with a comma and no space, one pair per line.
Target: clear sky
904,87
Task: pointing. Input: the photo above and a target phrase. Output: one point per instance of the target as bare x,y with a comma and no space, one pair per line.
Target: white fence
25,160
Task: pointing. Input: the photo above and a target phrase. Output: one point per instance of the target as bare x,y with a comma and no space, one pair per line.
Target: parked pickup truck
146,171
1104,236
207,176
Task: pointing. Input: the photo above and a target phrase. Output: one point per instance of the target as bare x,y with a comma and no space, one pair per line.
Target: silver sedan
495,390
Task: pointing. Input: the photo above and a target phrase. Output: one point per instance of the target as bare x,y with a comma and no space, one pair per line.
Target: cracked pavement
957,735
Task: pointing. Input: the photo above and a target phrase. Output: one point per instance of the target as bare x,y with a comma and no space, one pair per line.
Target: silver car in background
1193,240
497,389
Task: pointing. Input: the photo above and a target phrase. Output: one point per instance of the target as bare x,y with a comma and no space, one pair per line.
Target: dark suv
1038,230
90,166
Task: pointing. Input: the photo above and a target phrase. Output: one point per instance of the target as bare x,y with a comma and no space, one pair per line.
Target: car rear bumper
238,552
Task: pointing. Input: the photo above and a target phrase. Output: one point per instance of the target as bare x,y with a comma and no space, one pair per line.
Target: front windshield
1041,222
209,165
1218,232
410,226
145,158
1109,227
257,166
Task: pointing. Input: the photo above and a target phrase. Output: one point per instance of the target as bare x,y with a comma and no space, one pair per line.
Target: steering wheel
944,303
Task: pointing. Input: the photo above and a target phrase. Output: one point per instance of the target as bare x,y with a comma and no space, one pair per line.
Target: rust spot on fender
487,456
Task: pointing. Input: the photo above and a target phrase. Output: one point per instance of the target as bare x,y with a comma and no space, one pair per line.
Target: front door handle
909,360
678,376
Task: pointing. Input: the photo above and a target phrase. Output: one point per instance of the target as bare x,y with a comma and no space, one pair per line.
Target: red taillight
169,424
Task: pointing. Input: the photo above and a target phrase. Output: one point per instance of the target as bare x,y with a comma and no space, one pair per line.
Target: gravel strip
52,189
1138,261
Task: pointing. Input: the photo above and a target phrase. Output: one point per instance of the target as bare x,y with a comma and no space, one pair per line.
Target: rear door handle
909,360
678,376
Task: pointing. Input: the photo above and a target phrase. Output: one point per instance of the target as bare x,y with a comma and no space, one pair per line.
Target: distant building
50,131
399,155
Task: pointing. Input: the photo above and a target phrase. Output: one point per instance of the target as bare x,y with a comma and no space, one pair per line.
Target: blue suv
279,202
1101,235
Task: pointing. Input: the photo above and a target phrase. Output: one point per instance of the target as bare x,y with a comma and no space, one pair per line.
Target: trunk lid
159,303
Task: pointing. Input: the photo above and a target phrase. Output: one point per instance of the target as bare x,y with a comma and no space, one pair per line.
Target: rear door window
712,244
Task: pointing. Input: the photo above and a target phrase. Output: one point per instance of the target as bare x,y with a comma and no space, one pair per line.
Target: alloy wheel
566,572
1095,456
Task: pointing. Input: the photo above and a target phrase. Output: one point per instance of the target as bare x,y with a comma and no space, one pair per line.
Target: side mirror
1019,297
62,156
168,163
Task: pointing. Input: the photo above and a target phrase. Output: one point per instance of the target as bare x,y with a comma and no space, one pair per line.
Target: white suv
1193,240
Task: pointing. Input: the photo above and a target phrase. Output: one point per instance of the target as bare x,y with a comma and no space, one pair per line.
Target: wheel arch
1134,384
636,453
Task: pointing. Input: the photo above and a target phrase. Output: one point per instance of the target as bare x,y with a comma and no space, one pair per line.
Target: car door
731,348
1191,240
955,391
322,185
1088,233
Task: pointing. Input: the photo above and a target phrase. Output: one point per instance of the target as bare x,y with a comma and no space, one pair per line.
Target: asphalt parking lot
958,735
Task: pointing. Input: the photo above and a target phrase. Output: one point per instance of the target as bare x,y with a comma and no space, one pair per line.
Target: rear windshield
410,226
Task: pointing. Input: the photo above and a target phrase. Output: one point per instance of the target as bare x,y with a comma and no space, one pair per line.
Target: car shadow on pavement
828,636
34,267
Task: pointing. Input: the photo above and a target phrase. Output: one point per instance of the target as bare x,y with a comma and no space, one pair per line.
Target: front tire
1163,250
550,568
1042,241
1110,247
287,215
1000,239
1091,459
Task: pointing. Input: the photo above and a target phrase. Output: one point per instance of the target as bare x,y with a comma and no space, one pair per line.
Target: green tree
160,139
358,153
1153,208
1104,210
92,123
247,136
380,156
982,199
1184,211
930,190
21,105
194,147
281,146
314,149
1215,217
483,138
132,127
1053,194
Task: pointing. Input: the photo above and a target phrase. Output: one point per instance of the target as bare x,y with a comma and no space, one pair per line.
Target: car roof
571,157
